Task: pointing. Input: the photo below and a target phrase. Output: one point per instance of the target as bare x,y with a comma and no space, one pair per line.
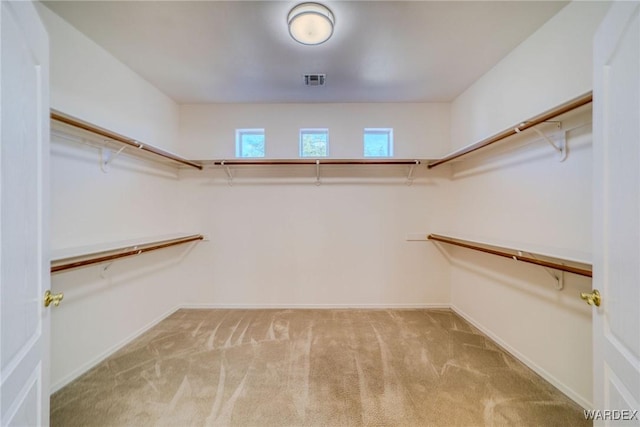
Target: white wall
135,199
89,83
420,130
550,67
520,192
280,240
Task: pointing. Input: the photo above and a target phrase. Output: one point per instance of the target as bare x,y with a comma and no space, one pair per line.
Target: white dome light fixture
310,23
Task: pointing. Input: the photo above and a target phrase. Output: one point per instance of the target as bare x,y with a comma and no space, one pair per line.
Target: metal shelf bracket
107,156
228,171
558,276
557,140
410,174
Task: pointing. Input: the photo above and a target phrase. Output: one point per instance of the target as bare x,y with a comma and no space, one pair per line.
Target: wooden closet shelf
555,262
113,136
513,130
321,162
75,258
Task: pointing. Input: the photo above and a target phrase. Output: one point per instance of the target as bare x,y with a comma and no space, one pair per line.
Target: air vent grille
314,79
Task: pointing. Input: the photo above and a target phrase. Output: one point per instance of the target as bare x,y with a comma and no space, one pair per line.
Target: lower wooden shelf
81,257
549,260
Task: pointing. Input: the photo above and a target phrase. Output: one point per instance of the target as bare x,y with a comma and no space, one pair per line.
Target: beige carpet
312,368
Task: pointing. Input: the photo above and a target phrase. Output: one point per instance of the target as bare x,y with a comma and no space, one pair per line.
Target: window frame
304,131
378,131
250,131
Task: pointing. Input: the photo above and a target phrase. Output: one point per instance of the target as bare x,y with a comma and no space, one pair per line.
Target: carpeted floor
312,368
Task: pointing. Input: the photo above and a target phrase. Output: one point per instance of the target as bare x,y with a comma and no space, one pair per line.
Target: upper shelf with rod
524,125
227,164
326,161
125,141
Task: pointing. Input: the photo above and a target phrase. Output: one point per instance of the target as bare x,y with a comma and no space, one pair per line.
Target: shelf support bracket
410,174
103,271
558,276
107,156
317,172
228,171
560,143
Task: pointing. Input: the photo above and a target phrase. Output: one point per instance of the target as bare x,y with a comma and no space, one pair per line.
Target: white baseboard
570,393
96,360
315,306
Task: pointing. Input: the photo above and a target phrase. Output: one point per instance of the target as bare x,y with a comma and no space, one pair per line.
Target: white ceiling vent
314,79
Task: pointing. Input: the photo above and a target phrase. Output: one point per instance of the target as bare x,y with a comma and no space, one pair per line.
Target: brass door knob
50,298
592,298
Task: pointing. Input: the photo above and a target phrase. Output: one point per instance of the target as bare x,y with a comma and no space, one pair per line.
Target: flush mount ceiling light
310,23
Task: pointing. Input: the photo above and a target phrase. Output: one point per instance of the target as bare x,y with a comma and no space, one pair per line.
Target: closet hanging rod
543,263
547,115
80,124
315,161
98,257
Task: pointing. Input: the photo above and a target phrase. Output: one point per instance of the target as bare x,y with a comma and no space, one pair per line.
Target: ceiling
241,51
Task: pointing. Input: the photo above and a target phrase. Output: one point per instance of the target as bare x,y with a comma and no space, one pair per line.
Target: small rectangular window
378,142
250,142
314,142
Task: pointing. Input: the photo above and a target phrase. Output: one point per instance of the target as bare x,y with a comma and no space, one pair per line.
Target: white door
24,214
616,323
